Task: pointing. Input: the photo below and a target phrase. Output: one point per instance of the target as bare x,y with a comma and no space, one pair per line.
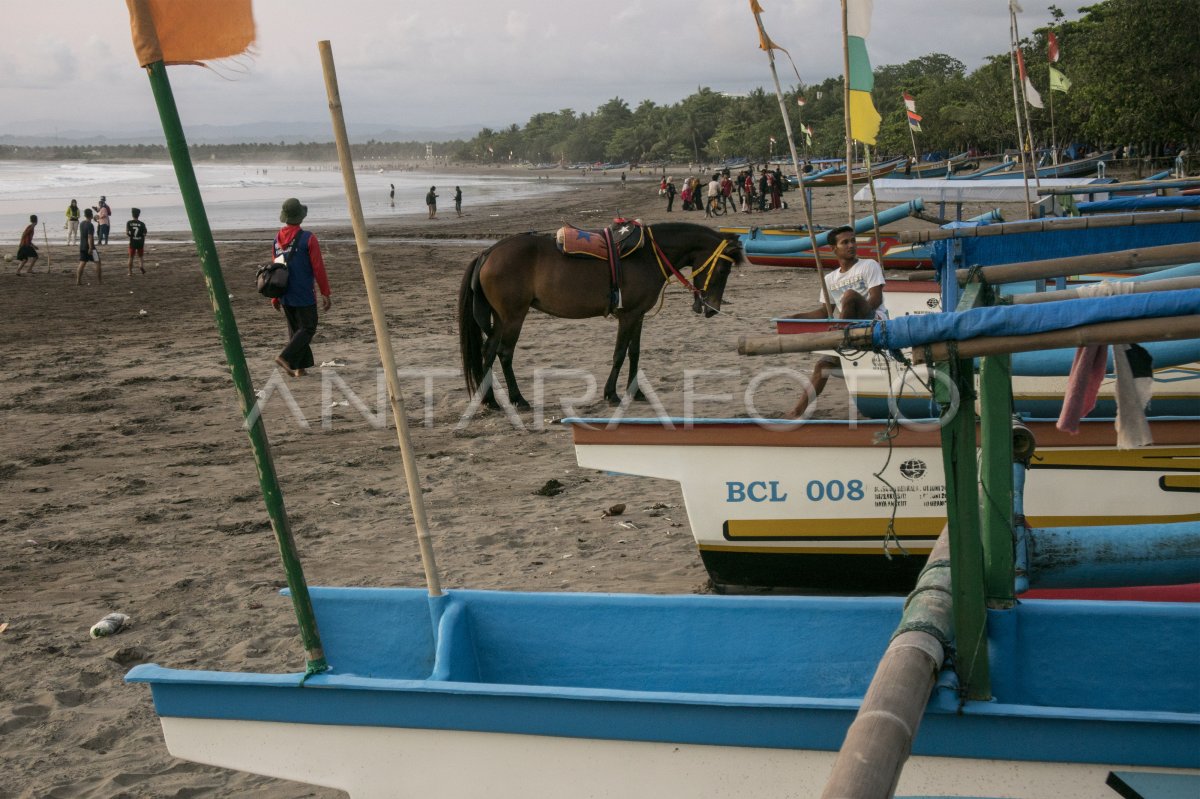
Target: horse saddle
626,236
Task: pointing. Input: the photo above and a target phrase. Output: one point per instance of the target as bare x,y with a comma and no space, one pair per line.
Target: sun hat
293,212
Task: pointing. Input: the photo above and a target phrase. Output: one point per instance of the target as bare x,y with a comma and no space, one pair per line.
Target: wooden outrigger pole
382,336
143,21
768,45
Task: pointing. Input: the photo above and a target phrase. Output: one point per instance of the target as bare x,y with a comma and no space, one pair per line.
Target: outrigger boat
503,694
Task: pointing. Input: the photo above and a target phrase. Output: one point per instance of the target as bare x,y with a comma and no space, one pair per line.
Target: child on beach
87,248
135,230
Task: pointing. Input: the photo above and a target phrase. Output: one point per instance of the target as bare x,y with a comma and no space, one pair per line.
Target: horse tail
472,307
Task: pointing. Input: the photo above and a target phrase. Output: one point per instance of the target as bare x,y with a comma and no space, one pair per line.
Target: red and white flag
1031,95
910,103
1052,46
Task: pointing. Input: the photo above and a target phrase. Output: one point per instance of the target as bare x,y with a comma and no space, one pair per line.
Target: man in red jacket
306,274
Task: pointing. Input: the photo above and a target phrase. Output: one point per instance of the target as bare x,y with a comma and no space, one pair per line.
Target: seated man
856,291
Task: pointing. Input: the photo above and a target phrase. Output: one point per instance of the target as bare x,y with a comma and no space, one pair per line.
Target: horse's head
712,274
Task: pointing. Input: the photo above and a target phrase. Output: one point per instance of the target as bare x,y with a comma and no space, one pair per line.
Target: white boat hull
393,763
810,506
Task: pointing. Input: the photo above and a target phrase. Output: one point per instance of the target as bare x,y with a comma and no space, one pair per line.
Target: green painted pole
232,342
962,518
996,478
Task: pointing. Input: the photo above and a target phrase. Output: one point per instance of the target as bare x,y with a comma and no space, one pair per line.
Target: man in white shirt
856,291
714,194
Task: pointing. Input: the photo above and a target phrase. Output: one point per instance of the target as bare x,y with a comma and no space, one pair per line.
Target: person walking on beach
72,223
431,202
856,291
103,216
392,194
306,273
87,248
25,249
670,193
135,231
458,200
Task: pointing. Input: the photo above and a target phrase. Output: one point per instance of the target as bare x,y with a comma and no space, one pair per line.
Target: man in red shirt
25,250
306,275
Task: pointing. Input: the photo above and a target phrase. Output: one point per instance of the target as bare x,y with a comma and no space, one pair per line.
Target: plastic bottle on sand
110,625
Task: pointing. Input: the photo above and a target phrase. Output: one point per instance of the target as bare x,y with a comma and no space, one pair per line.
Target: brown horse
528,271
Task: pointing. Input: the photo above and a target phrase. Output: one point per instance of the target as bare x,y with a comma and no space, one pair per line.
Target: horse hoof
613,399
520,402
639,397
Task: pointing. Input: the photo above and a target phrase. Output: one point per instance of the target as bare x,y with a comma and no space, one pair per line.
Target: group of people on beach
431,200
89,230
764,193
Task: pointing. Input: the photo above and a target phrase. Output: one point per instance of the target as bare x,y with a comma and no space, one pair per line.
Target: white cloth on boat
1133,395
1107,288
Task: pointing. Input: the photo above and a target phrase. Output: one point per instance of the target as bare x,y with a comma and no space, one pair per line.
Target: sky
69,67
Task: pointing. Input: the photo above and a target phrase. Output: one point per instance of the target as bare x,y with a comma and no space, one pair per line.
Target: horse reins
707,268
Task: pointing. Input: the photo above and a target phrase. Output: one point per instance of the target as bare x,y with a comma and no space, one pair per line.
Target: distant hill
247,133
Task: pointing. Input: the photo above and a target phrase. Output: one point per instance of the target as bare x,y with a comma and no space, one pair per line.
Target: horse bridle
708,268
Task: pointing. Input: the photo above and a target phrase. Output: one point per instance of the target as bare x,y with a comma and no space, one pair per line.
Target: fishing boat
931,169
857,505
857,175
508,694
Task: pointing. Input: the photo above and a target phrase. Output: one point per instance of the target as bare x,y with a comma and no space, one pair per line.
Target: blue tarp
1138,204
1012,248
1016,320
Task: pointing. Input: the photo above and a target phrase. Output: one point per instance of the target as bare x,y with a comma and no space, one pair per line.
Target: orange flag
764,41
190,31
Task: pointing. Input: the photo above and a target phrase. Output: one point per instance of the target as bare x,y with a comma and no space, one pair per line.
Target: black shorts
26,251
85,255
136,246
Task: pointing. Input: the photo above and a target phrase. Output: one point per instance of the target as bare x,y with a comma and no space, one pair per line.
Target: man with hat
306,273
135,231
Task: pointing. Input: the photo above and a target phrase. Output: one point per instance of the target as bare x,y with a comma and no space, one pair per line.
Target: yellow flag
190,31
764,41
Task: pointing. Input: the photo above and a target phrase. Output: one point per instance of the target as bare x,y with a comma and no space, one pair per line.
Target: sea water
236,196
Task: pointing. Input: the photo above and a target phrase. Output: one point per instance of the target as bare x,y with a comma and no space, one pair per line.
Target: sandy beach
127,483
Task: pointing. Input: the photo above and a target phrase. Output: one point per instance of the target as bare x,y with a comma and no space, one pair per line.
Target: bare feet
287,367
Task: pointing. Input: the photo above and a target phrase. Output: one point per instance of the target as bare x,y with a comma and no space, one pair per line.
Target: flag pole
382,336
766,44
1025,102
913,137
874,207
846,110
1012,66
231,342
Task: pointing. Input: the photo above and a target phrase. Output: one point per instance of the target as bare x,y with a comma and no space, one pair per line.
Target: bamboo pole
1012,68
826,299
1126,331
1170,284
231,341
46,238
1116,261
874,206
382,336
1121,188
880,738
1051,224
846,113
